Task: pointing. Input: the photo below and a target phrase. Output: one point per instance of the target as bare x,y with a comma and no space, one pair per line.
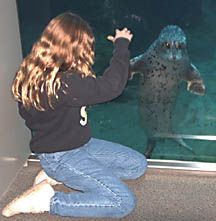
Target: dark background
144,17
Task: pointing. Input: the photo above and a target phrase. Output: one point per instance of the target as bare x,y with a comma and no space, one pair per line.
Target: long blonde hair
66,44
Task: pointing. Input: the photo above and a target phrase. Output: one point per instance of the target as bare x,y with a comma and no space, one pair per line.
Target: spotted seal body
163,66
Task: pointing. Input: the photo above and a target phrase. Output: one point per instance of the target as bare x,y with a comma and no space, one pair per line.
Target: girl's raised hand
124,33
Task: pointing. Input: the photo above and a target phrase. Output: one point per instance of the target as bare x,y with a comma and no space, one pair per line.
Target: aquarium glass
193,116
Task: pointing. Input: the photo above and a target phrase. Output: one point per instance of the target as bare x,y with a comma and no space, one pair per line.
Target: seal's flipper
195,83
150,147
181,142
136,66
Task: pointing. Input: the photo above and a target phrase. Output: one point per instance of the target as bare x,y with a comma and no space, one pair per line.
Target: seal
163,66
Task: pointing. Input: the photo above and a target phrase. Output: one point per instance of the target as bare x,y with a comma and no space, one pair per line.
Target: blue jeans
95,170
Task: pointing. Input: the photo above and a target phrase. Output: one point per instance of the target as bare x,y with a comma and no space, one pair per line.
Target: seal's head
171,43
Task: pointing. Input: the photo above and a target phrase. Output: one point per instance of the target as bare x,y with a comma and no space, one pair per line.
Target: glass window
158,108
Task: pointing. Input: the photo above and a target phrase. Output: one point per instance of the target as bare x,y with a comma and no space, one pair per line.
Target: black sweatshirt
66,127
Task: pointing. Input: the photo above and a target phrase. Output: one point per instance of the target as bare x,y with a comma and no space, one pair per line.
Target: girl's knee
125,204
140,166
128,204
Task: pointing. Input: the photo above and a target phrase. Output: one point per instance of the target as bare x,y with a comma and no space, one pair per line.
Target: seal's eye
180,46
166,45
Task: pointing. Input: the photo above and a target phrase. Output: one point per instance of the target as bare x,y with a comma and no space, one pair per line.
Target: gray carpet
162,195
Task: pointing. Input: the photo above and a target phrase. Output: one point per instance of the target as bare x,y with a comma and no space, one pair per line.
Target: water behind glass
119,121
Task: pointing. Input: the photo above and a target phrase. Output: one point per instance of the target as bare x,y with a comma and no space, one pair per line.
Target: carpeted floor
162,195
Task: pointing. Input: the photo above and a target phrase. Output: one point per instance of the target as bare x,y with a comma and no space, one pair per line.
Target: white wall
14,137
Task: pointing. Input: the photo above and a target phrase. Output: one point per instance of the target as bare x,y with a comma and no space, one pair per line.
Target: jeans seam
102,184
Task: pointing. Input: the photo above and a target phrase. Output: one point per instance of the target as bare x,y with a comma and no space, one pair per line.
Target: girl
53,86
